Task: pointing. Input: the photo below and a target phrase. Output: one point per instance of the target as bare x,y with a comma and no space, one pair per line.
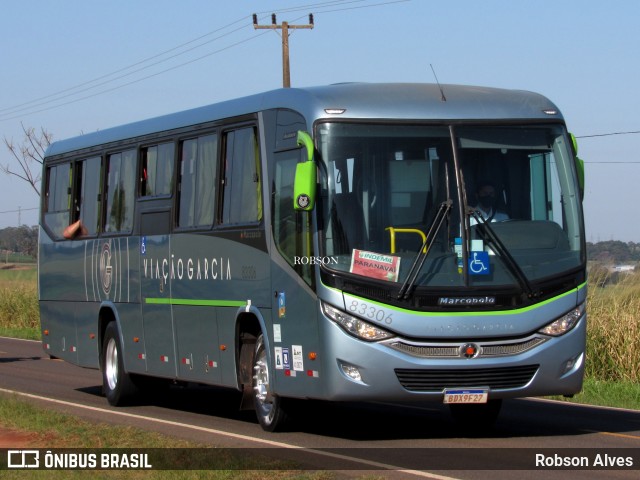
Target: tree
28,241
29,155
20,239
611,252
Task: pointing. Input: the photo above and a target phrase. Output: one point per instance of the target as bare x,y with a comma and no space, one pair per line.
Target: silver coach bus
354,242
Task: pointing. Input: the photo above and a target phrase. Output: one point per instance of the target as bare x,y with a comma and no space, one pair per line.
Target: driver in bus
488,203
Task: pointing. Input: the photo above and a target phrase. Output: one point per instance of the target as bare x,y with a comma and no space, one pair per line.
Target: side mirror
304,184
579,166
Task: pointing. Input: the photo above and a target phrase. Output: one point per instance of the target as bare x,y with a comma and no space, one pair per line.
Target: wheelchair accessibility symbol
479,263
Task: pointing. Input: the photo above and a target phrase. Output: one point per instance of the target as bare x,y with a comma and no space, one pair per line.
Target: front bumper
554,366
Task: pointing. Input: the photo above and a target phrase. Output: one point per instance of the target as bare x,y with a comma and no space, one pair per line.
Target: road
393,441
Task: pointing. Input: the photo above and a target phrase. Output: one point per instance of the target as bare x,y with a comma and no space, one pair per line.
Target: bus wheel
269,407
117,384
482,415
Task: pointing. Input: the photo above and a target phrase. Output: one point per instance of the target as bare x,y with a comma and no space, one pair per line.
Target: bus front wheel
117,384
270,408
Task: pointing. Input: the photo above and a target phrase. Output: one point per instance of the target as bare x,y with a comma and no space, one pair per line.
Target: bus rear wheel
117,384
270,408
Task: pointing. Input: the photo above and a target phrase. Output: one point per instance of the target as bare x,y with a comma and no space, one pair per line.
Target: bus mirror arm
304,184
580,171
579,165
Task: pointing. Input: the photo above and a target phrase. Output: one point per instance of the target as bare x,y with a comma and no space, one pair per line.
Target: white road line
271,443
20,339
582,405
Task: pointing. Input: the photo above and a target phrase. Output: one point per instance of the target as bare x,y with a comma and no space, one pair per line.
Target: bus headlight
355,326
565,323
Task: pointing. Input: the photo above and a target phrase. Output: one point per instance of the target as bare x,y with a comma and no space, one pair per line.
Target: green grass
17,258
613,332
18,273
19,312
607,394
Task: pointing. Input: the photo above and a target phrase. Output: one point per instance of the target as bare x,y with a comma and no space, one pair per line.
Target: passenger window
58,198
198,180
120,191
241,182
88,208
157,170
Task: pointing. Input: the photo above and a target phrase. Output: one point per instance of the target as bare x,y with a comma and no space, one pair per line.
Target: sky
75,66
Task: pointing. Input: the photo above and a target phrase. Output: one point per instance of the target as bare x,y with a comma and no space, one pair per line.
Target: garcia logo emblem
106,270
303,201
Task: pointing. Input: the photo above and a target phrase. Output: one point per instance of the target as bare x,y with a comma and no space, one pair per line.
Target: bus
403,243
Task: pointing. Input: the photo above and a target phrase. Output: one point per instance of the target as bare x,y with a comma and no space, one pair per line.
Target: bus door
155,285
196,263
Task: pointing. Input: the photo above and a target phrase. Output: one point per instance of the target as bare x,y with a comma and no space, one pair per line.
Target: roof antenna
442,97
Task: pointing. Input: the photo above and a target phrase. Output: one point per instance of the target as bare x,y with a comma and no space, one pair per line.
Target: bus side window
120,191
89,196
197,188
156,177
58,198
241,195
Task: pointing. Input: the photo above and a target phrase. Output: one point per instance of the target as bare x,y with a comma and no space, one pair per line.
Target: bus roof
396,101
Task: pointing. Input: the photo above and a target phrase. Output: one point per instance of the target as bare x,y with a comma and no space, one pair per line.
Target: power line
381,4
86,86
26,108
117,87
630,162
337,3
21,210
635,132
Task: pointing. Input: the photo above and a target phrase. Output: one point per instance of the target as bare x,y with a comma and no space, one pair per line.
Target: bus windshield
501,203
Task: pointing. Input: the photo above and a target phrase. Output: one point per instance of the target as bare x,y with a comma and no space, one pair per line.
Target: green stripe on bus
482,313
195,302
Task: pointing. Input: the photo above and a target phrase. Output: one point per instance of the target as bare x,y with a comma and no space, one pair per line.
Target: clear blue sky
582,54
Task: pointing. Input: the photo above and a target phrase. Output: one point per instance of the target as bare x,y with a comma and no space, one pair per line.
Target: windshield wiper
489,236
421,256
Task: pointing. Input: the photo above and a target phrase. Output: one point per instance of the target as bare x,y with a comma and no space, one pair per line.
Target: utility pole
285,27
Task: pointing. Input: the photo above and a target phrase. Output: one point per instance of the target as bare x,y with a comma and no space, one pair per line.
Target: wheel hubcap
111,364
261,384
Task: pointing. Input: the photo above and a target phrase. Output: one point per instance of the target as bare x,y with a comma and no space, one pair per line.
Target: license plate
467,395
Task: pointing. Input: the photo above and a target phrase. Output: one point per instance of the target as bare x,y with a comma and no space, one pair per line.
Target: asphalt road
391,441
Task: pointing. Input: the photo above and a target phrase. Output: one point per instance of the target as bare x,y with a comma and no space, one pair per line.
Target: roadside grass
50,429
18,273
603,393
19,312
613,331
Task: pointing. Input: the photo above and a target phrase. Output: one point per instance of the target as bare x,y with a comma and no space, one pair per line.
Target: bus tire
270,409
117,384
482,415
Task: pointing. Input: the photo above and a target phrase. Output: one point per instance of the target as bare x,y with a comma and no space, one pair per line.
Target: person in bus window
76,229
488,203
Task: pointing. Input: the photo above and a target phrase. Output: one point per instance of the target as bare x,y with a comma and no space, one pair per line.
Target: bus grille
494,349
435,380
